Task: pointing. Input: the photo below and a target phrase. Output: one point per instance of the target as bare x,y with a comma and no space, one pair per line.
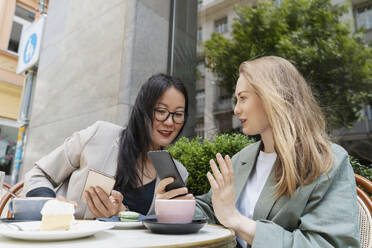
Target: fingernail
98,191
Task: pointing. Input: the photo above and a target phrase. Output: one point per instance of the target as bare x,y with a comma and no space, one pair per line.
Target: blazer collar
247,160
266,200
246,163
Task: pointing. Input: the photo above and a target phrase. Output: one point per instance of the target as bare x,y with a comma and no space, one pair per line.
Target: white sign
29,50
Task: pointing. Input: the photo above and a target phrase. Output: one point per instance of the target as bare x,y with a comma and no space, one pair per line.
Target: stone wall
95,56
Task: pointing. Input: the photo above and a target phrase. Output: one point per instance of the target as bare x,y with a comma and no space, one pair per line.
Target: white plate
127,225
31,230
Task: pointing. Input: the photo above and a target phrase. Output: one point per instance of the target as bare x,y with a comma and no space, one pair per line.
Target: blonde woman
294,188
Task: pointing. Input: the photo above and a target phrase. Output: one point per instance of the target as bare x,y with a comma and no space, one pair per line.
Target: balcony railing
223,105
199,110
359,130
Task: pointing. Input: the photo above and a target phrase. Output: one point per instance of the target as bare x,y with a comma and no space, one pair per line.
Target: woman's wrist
243,226
235,220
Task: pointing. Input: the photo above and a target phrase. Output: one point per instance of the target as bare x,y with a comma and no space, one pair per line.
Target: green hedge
195,156
365,171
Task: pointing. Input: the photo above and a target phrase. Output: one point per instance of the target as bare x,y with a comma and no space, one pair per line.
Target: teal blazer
321,214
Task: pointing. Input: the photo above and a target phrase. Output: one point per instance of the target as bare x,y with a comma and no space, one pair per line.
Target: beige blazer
323,213
65,169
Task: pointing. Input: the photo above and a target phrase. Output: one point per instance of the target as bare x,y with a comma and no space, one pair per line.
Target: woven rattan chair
6,185
4,202
365,210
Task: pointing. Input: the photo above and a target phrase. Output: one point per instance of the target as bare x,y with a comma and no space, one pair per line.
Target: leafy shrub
360,169
196,154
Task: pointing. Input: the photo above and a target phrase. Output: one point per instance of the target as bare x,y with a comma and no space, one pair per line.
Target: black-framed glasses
162,114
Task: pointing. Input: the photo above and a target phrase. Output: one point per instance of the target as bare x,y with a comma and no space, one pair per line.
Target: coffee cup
174,211
27,208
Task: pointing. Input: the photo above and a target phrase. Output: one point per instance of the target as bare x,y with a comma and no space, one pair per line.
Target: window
199,130
8,143
221,25
22,18
200,102
200,34
201,70
364,17
277,3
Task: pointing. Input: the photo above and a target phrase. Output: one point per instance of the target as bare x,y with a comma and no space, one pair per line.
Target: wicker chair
4,202
6,185
365,210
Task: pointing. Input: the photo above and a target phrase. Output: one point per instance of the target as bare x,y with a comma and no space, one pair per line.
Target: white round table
208,236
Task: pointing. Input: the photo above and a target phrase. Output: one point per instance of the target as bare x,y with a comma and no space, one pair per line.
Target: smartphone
165,167
96,178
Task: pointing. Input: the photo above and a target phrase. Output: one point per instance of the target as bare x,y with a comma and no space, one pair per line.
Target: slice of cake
128,216
57,215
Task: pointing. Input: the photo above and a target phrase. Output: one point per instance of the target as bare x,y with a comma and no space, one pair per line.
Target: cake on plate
57,215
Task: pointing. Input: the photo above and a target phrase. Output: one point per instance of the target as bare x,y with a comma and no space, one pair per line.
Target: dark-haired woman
157,118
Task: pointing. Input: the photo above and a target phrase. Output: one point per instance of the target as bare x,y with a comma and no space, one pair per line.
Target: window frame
221,25
24,23
361,10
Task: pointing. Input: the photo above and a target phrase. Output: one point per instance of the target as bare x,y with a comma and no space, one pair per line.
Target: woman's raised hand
103,205
176,194
223,195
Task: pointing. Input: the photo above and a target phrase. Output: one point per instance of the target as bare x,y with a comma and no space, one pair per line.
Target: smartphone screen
97,178
165,167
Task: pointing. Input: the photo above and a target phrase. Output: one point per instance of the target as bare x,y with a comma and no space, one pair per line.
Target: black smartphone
165,167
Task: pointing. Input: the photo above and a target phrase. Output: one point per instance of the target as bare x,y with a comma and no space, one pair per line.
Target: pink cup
174,211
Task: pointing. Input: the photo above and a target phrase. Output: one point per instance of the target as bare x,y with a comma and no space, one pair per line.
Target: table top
208,236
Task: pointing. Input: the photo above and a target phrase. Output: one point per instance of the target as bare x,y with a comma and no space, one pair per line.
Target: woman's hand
177,194
102,205
223,195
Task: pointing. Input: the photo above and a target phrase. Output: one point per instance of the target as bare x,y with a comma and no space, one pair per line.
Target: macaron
128,216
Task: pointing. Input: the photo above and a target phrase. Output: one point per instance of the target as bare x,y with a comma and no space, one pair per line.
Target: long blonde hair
297,122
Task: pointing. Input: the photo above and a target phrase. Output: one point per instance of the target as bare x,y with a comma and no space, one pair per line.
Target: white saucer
127,225
31,230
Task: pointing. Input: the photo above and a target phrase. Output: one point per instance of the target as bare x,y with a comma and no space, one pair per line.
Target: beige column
7,8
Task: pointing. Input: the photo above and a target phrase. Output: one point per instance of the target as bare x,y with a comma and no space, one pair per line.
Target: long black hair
136,140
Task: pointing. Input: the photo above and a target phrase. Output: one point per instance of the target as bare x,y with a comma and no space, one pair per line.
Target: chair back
365,210
365,224
4,202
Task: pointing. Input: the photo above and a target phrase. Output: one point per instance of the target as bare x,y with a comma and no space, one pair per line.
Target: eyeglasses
162,114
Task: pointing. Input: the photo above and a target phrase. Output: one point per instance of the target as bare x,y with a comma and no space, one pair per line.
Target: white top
254,185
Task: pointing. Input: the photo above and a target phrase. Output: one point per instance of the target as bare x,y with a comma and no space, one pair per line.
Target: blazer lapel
244,167
111,159
266,199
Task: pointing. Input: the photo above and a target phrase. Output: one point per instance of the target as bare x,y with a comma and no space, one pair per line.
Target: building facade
358,139
15,17
214,104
